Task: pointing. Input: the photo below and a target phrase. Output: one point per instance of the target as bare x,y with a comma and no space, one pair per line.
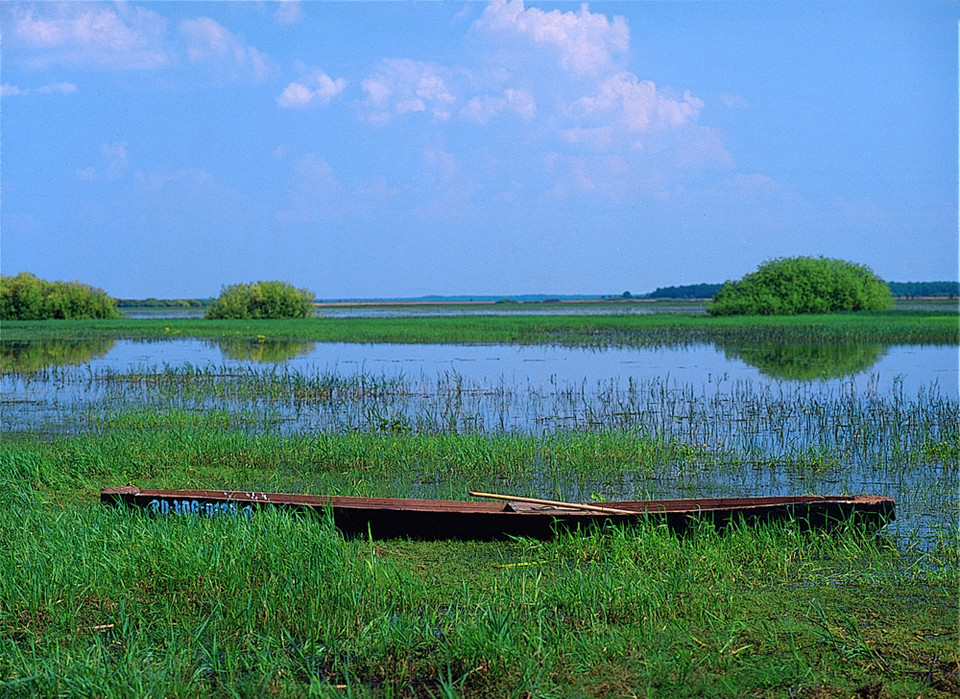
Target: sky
400,149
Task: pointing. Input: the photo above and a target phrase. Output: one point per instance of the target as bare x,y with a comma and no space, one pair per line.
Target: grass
104,603
98,602
920,326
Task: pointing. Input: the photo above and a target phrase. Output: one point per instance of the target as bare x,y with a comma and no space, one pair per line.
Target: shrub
261,300
788,286
25,297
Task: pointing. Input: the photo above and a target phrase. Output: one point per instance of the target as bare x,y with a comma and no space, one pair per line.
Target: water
876,368
865,422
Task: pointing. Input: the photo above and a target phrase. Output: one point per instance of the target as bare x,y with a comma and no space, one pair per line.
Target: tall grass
98,602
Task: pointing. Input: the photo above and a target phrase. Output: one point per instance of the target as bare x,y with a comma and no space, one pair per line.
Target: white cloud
320,88
402,86
208,42
637,105
63,88
122,37
442,162
484,108
586,43
115,159
288,12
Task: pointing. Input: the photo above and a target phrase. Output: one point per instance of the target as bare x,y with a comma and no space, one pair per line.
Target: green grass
97,602
104,603
887,326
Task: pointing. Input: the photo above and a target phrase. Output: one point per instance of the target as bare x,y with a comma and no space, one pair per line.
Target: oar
554,503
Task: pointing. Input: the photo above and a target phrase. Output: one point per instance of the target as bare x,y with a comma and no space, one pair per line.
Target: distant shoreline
501,302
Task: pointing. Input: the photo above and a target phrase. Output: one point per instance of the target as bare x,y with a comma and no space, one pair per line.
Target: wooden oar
554,503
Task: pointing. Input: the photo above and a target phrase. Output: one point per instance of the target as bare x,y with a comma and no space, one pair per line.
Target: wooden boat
384,518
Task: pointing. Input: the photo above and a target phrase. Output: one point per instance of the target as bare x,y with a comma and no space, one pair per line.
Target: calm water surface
877,369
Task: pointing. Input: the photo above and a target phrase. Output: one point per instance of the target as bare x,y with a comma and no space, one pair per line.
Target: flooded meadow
115,603
752,420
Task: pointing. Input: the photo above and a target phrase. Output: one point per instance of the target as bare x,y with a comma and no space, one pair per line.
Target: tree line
906,290
782,286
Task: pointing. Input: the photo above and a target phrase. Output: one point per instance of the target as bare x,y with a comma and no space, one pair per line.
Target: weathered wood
553,503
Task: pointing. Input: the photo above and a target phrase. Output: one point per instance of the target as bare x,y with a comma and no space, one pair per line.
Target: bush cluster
788,286
261,300
25,297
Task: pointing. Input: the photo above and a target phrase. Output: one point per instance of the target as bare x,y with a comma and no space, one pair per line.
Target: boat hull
385,518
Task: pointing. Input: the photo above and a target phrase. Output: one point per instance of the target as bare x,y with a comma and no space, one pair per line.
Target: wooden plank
555,503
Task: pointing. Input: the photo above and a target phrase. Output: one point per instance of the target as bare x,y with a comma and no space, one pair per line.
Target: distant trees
925,289
688,291
261,300
25,297
788,286
159,303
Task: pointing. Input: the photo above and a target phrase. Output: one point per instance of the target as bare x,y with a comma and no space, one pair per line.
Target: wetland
565,407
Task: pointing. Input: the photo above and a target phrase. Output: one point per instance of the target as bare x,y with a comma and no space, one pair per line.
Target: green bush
788,286
261,300
25,297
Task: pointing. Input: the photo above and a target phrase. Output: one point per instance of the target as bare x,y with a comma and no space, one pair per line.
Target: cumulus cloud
318,88
120,37
123,36
586,43
571,69
209,42
484,108
403,86
637,105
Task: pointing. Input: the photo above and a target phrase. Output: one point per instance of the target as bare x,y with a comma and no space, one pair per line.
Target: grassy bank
888,327
96,602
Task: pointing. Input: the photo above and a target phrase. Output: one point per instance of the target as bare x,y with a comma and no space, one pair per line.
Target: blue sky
397,149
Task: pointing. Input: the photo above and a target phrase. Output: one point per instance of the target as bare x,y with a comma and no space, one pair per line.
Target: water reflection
808,362
32,356
699,364
261,350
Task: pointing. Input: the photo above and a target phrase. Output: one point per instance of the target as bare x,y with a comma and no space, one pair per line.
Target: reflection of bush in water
31,356
803,362
264,350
